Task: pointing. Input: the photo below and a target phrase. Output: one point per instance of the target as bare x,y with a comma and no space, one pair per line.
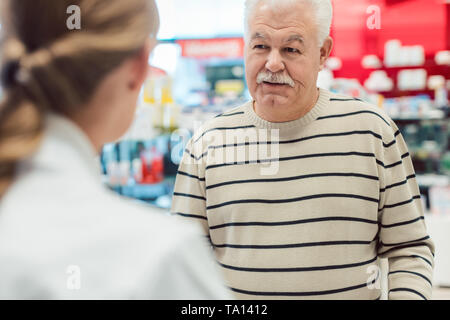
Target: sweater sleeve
189,197
403,238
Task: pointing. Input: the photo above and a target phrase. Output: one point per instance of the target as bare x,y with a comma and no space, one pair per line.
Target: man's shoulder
346,107
231,119
344,102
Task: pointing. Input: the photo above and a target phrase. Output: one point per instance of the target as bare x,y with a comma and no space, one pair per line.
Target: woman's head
89,74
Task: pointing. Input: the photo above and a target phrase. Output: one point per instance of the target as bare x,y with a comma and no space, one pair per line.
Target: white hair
323,13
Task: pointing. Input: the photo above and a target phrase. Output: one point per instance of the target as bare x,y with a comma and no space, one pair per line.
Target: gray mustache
274,78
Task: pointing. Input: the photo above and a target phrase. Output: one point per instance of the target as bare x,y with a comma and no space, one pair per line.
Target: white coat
64,235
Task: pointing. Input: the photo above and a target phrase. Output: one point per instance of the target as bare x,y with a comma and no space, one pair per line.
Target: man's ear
140,64
325,51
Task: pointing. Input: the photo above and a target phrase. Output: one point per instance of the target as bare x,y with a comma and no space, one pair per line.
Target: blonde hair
46,66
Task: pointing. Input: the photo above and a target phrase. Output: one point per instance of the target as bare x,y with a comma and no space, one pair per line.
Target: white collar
65,147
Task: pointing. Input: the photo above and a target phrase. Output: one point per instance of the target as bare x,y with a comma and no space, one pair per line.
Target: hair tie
9,72
13,72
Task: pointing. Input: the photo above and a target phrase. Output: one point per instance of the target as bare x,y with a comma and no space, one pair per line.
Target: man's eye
260,47
292,50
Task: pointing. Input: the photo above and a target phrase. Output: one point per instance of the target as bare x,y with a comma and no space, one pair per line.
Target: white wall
200,18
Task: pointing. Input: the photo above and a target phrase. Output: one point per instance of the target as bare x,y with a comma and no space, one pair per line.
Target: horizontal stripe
398,183
294,222
306,156
315,196
393,141
223,128
424,259
196,216
411,272
408,290
293,245
230,114
389,166
346,99
401,223
189,196
317,155
303,294
194,157
330,174
405,155
406,242
190,175
304,139
388,206
421,244
352,114
393,164
387,145
300,269
247,143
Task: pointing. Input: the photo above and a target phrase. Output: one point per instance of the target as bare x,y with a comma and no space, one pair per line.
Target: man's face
282,56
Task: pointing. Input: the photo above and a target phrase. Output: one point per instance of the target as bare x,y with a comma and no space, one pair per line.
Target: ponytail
20,120
21,126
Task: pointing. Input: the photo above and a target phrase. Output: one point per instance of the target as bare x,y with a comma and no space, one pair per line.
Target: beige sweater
305,209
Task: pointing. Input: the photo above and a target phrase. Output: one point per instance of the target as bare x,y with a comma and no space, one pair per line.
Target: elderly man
337,191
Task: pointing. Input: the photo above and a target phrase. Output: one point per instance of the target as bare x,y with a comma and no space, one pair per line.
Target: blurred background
392,53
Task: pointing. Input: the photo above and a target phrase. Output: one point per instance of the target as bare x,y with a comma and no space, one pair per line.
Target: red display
413,22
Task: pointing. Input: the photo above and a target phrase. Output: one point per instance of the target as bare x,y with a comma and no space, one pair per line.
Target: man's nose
274,62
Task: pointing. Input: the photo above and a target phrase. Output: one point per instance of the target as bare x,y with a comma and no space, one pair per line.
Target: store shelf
145,192
437,115
417,119
430,180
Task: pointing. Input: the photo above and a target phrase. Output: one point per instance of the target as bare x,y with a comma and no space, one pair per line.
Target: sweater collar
312,115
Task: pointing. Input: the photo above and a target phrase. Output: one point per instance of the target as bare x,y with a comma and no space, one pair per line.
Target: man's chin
274,101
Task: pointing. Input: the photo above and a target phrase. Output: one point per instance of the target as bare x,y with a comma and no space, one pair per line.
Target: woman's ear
139,65
325,51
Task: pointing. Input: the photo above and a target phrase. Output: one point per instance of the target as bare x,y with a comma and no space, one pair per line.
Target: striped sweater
305,209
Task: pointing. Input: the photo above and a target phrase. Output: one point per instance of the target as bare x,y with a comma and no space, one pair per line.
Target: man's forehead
290,37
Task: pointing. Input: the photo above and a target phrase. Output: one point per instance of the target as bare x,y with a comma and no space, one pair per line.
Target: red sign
209,48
